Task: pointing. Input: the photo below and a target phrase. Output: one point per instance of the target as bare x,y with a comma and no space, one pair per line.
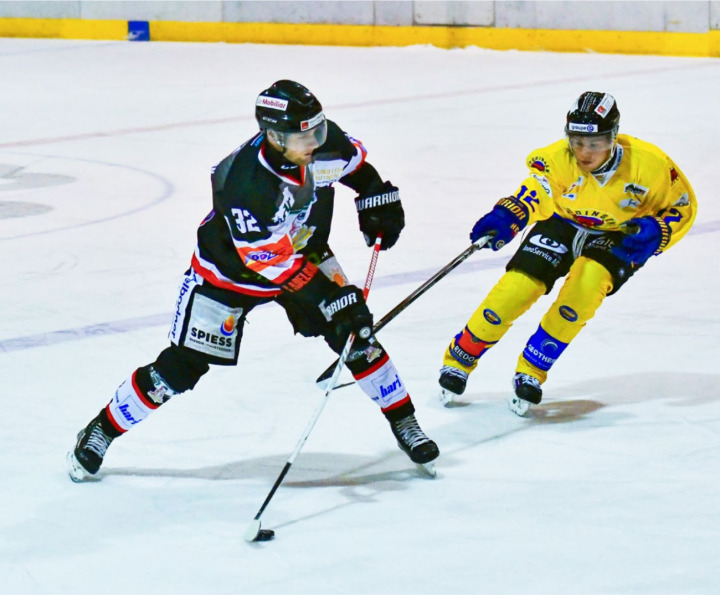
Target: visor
595,142
299,141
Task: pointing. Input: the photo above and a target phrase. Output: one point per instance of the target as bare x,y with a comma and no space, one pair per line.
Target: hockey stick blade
322,380
255,532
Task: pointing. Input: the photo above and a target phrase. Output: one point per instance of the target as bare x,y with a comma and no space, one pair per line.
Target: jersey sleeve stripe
357,160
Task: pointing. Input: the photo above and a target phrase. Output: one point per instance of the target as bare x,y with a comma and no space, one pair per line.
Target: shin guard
465,350
540,353
381,382
132,402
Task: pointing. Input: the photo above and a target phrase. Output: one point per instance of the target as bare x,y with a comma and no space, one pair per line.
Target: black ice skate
85,459
527,392
452,383
413,441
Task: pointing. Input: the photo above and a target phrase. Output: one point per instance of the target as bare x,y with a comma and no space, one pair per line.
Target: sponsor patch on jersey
539,164
630,203
571,192
261,255
327,172
636,189
543,181
568,313
272,103
683,201
491,316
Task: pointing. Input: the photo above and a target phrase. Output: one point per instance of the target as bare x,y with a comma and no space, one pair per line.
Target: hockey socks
381,382
465,349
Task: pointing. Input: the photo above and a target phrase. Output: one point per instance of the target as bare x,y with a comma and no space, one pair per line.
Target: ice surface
105,154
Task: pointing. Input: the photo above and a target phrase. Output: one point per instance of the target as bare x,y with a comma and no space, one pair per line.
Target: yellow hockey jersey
643,181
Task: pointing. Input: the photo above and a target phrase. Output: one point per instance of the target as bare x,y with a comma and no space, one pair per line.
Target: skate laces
526,380
452,371
97,441
408,430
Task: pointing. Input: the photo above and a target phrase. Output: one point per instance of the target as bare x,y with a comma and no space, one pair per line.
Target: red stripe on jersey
359,145
112,420
383,360
281,251
297,265
213,279
143,397
400,403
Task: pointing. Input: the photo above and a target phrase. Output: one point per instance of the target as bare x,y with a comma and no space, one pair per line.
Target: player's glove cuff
381,213
508,217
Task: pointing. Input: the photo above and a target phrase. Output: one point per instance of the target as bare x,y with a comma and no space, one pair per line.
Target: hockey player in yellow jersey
600,205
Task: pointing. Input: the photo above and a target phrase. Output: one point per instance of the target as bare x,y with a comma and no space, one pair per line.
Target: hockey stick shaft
254,528
454,263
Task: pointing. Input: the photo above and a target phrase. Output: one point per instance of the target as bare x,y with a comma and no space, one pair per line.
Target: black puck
265,535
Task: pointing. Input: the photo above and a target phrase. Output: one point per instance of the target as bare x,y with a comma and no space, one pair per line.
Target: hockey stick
254,532
325,376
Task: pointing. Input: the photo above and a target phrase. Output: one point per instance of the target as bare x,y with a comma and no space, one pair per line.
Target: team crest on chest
592,218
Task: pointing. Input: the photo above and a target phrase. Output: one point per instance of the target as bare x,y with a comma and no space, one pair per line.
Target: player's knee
511,297
175,371
594,281
588,284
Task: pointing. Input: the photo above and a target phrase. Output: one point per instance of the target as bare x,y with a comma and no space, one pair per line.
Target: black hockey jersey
269,213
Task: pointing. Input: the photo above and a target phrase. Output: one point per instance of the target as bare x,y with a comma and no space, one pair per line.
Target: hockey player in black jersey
266,240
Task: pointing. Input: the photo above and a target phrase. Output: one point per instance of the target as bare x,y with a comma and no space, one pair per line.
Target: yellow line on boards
611,42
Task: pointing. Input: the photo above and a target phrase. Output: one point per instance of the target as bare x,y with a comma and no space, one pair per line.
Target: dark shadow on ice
485,417
310,469
680,388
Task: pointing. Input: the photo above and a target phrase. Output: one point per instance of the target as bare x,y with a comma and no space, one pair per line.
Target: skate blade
428,469
446,397
519,406
75,470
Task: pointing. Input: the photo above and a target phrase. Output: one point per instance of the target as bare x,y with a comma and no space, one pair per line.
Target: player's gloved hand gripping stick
254,532
323,379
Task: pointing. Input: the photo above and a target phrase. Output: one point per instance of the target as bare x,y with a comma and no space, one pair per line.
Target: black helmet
593,113
287,106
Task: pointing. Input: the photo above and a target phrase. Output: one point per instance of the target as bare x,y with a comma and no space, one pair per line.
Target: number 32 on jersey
245,221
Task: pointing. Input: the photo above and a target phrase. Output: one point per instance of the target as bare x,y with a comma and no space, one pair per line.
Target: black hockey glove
508,217
346,311
642,237
381,213
343,307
